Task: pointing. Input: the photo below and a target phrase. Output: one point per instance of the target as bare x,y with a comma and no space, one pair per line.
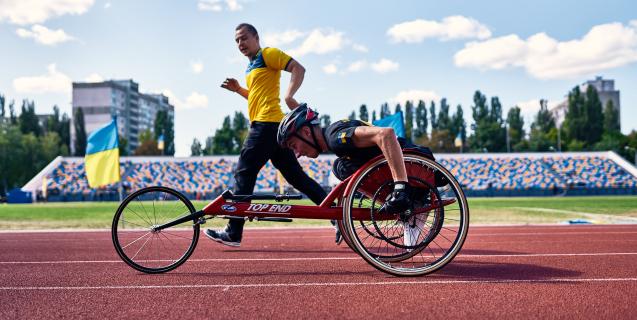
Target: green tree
80,132
488,128
12,117
195,148
352,116
443,120
611,118
515,123
373,115
223,140
164,126
50,148
574,124
2,108
441,140
209,147
123,146
239,131
28,119
147,145
53,122
593,116
384,110
64,130
459,126
432,113
398,108
60,125
421,120
409,120
543,131
362,113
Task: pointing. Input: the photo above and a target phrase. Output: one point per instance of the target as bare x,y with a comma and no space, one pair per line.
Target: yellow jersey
263,79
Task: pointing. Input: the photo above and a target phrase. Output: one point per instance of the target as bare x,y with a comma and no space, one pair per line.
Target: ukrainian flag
394,121
102,156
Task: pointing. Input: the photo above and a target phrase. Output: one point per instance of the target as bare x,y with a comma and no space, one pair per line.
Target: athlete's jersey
338,137
262,77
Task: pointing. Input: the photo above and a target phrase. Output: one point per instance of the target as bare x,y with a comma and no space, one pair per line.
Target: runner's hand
231,84
291,102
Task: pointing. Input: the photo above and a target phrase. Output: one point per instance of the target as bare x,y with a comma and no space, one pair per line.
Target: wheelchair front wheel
135,239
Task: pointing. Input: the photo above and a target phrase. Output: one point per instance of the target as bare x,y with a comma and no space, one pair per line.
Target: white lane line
334,284
256,237
524,255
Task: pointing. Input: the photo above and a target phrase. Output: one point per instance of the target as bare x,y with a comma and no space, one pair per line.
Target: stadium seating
480,175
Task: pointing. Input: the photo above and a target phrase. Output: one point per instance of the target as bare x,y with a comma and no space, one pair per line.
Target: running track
503,272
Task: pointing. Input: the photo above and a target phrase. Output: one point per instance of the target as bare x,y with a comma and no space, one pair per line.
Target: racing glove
399,200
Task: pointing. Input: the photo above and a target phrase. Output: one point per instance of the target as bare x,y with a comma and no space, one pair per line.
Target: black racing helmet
295,120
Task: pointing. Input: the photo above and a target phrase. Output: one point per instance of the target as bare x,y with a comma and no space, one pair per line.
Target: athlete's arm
298,73
386,140
233,85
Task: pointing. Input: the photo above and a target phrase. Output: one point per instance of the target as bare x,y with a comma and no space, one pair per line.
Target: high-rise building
606,91
135,111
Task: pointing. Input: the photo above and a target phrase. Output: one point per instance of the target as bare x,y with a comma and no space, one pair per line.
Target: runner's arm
234,86
298,73
386,140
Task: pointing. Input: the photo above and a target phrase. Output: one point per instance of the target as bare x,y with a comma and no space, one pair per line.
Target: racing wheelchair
156,229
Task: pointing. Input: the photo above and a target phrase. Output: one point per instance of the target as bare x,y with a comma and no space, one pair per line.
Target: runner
263,76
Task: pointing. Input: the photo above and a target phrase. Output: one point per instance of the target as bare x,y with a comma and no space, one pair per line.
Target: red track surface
512,272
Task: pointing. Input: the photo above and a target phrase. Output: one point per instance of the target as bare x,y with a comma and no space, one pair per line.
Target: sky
354,52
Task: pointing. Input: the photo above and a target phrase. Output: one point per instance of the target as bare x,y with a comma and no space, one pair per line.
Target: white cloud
603,47
452,27
52,82
381,66
317,41
217,5
330,68
357,66
43,35
282,38
94,77
23,12
193,101
233,5
320,42
196,67
384,66
360,48
415,96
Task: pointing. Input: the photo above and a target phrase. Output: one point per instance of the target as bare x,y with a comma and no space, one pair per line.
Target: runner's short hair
248,27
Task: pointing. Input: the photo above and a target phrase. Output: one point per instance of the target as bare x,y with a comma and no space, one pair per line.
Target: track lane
539,271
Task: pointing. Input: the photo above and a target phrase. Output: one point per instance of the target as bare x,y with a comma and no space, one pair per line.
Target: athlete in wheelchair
356,142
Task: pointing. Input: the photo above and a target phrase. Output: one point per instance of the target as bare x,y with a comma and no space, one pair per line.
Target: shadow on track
472,270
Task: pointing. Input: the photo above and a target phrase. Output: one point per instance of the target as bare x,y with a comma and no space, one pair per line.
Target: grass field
98,215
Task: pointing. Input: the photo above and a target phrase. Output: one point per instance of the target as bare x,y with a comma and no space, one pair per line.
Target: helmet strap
313,144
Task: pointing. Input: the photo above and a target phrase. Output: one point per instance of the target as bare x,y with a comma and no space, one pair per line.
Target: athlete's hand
399,201
231,84
291,102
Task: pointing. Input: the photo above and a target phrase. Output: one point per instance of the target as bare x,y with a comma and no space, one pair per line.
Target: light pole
506,127
559,140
